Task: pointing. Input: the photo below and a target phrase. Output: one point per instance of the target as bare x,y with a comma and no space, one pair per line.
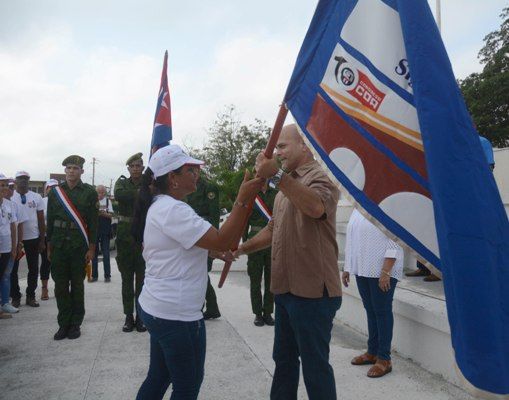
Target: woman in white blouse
176,242
377,263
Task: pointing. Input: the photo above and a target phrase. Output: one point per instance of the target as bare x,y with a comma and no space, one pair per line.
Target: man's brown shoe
16,303
432,278
32,302
418,272
4,315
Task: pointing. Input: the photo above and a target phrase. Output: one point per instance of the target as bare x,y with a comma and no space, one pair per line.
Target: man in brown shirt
305,274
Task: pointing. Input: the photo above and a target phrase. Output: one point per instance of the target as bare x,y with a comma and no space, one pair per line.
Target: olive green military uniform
258,263
205,202
129,258
69,248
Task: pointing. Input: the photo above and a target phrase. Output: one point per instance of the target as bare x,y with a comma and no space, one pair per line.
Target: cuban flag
262,208
374,95
161,134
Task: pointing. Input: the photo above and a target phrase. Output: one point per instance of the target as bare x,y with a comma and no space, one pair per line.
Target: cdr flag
161,133
375,97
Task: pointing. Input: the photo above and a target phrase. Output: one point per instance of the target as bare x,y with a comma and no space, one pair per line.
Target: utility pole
111,186
94,161
439,16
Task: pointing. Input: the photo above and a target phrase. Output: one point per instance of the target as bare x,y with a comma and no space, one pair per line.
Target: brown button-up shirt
304,249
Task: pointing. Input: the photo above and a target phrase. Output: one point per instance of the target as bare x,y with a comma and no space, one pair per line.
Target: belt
58,223
256,229
123,218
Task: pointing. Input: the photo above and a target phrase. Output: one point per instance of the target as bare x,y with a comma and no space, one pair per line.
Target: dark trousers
103,240
423,268
132,270
210,295
378,306
32,254
303,329
68,272
45,264
177,356
258,266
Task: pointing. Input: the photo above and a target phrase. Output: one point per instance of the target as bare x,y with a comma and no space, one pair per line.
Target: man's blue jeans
303,329
177,356
104,241
378,306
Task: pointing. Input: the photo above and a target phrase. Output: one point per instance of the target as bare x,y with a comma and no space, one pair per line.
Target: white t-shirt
367,247
105,205
7,216
33,204
176,269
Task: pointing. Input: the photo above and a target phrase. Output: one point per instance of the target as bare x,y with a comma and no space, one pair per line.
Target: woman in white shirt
377,263
176,243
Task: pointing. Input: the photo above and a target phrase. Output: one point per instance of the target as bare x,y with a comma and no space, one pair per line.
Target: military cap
134,158
75,160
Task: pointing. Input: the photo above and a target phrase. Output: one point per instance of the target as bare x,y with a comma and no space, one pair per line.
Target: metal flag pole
439,15
269,151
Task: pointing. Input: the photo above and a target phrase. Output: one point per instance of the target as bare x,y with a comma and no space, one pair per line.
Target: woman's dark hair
144,200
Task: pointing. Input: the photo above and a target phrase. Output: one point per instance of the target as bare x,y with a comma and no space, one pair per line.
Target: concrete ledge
421,328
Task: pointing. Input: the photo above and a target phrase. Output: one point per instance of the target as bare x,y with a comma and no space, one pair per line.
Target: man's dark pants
32,254
210,296
103,240
68,272
303,329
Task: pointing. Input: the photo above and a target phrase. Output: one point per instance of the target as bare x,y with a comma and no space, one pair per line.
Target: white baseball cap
50,183
22,173
170,158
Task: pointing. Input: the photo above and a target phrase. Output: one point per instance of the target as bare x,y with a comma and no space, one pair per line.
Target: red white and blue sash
262,208
73,212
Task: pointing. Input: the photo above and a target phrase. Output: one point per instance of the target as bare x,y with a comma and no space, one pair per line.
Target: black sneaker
211,315
74,332
92,280
128,324
258,321
139,325
267,318
107,279
16,302
61,333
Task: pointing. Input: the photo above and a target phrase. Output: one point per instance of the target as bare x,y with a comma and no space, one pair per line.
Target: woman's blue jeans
378,306
5,282
177,356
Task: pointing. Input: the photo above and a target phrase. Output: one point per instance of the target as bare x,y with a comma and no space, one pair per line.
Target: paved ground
108,364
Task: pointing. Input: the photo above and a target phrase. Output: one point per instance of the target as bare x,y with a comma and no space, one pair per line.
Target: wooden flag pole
269,151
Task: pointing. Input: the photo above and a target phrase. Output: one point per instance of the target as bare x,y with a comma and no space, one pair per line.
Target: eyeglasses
23,199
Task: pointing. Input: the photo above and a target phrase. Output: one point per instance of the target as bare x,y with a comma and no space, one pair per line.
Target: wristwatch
276,179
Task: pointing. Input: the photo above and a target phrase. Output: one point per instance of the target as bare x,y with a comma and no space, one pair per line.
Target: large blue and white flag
374,95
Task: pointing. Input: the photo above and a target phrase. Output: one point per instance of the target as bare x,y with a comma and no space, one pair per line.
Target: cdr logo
357,84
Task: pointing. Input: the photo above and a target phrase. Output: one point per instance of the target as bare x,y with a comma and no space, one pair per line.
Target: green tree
231,148
487,93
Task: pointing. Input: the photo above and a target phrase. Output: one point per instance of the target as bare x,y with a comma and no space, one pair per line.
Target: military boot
74,332
61,333
128,324
139,324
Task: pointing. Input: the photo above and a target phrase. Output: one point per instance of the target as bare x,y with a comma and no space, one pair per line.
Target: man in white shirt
103,235
34,230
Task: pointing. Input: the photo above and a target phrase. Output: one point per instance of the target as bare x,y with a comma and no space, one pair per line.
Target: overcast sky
82,77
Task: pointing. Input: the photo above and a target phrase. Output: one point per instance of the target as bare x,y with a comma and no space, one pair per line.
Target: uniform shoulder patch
211,195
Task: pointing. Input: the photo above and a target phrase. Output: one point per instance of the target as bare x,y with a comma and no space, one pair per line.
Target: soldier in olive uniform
258,264
67,247
129,253
205,202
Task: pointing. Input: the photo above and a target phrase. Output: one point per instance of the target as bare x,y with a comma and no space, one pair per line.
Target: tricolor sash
73,212
262,208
